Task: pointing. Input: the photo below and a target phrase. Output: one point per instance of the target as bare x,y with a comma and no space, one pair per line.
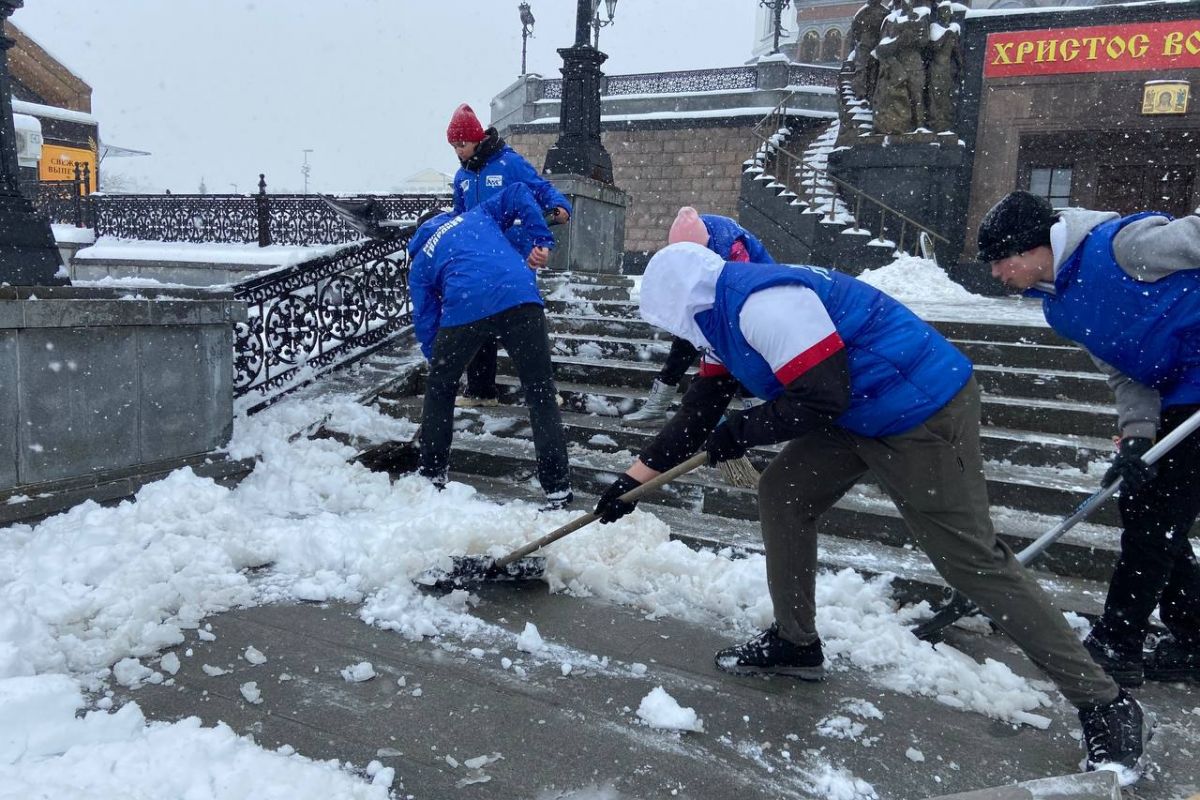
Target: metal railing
694,80
819,187
310,318
65,202
291,219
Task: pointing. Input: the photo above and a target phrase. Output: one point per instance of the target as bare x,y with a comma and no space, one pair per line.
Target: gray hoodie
1148,249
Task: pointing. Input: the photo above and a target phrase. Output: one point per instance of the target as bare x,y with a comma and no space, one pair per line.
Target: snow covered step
1022,354
618,347
495,442
915,578
1052,384
616,387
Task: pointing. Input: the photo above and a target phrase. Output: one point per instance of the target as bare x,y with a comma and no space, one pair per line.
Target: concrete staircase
1047,420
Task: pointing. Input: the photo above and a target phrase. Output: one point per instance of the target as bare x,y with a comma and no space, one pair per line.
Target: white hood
680,282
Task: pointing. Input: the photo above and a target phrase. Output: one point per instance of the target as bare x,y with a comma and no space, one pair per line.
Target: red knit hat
688,227
464,126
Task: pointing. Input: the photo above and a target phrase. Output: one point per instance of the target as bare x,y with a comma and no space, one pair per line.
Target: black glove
723,444
1129,466
611,507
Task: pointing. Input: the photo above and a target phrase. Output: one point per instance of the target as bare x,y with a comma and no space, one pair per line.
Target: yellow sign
58,163
1165,97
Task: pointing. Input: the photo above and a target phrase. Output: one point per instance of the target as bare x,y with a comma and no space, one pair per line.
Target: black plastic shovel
520,565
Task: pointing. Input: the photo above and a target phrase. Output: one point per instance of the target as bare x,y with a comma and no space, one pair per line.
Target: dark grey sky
225,89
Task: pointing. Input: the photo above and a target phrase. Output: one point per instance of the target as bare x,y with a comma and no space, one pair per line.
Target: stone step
613,388
600,448
915,578
607,319
1006,354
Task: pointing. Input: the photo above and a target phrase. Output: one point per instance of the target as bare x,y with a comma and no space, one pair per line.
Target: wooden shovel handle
635,493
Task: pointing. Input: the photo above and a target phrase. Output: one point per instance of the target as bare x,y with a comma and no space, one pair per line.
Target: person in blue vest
730,241
1128,290
468,285
488,166
852,382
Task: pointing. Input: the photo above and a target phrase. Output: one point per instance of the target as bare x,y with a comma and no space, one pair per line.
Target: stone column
28,256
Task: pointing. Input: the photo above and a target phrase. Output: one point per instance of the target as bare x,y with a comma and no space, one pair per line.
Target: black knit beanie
1019,222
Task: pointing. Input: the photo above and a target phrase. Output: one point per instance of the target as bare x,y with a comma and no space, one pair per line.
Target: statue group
907,61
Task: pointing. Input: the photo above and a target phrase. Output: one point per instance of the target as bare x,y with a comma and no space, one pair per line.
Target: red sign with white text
1102,48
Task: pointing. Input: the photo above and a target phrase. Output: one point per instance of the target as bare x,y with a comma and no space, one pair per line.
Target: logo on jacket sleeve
492,181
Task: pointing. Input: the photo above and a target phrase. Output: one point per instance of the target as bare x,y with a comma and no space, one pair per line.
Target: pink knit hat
688,227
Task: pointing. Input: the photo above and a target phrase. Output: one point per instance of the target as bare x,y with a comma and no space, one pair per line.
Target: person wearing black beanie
1128,290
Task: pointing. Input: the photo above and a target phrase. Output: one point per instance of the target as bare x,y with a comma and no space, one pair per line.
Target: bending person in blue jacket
488,166
730,241
853,381
468,286
1128,290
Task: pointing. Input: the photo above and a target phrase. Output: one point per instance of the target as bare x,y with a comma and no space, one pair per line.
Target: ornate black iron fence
290,219
696,80
308,319
65,202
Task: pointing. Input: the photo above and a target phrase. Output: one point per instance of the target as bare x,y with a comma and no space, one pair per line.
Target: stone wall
661,168
95,383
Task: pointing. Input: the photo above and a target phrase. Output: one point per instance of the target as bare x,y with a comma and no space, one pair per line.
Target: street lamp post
611,7
579,150
305,169
28,256
526,30
777,7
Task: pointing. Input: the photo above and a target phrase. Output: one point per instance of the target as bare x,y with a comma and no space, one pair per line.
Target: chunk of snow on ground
659,710
530,640
357,673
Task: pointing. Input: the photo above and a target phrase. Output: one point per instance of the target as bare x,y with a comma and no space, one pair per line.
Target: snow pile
46,751
86,594
659,710
913,279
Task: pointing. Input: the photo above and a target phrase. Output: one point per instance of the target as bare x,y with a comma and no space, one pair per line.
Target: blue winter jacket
1150,331
902,371
505,168
723,232
464,269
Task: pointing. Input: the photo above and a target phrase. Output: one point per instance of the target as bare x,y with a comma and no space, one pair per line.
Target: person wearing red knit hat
488,166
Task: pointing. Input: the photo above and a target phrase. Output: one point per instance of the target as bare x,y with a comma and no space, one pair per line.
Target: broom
739,473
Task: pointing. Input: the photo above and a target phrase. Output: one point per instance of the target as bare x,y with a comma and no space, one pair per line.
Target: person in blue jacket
488,166
730,241
852,382
1128,290
469,285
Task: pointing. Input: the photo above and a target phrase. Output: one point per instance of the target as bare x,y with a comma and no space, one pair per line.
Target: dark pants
682,356
481,372
523,331
1157,566
934,474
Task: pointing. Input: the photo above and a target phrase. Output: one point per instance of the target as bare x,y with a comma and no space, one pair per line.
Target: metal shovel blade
467,571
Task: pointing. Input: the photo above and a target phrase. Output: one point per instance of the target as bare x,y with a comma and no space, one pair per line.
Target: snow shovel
367,217
519,565
960,606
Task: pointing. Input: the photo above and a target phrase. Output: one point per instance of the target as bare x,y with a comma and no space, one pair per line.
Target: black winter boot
1173,660
1115,735
770,654
1124,668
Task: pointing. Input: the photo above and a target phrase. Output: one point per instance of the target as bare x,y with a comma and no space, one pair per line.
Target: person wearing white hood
852,381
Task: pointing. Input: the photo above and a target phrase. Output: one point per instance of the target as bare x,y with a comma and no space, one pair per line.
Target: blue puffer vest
1148,331
902,371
